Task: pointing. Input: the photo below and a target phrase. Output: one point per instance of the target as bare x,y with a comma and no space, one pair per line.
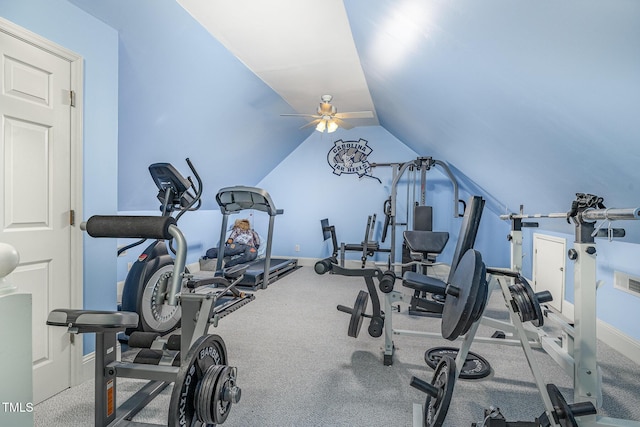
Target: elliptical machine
149,278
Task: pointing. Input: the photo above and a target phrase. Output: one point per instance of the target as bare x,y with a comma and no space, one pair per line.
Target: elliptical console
149,277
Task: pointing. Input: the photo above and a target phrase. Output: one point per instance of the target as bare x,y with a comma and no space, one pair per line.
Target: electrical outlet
297,248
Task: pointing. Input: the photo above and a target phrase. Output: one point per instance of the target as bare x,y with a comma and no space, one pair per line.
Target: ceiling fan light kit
327,117
328,124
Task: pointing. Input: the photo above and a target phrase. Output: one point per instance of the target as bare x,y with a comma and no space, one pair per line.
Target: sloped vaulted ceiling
301,50
531,101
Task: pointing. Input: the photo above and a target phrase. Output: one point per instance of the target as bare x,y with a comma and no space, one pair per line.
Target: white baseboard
621,342
304,262
609,335
88,367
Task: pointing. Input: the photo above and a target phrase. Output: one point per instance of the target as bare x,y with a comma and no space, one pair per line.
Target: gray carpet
297,367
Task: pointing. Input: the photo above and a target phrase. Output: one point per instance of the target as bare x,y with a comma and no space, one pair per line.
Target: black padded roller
173,343
325,265
148,356
139,339
139,227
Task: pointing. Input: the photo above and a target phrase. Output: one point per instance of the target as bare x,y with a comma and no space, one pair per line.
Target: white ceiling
301,52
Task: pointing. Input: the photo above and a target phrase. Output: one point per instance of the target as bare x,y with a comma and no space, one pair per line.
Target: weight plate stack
197,381
475,366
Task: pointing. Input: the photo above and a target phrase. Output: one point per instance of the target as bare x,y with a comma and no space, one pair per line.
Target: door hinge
72,97
72,217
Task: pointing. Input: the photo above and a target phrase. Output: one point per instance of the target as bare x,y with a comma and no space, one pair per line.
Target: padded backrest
423,218
468,231
329,232
326,233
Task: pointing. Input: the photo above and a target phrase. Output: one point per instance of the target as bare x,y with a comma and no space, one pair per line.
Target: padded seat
423,283
426,242
370,246
92,320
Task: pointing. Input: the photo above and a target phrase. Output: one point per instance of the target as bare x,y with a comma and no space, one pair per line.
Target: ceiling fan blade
342,123
311,123
302,115
355,115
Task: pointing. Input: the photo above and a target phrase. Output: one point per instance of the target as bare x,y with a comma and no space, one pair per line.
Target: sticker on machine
350,157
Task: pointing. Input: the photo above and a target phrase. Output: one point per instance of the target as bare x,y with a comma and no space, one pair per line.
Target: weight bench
423,284
204,386
106,325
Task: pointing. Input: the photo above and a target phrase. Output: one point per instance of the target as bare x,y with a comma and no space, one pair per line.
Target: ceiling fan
327,117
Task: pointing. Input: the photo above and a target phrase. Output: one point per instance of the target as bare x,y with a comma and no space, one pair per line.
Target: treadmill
261,271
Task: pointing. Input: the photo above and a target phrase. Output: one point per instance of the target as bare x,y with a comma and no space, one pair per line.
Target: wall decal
350,157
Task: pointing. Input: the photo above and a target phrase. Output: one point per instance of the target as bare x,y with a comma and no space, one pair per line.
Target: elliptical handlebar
198,195
172,184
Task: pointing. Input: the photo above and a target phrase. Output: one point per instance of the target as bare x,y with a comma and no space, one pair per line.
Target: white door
549,259
35,195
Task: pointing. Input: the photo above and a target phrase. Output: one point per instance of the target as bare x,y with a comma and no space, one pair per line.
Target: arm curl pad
139,227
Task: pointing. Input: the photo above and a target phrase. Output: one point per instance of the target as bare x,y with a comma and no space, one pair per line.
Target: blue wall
305,186
98,45
182,94
160,88
613,305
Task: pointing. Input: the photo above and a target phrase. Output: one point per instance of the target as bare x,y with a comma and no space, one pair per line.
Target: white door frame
76,64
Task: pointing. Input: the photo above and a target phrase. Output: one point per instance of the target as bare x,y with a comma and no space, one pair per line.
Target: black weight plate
481,300
211,408
518,294
537,318
474,367
561,407
458,310
220,408
206,351
444,378
205,394
359,309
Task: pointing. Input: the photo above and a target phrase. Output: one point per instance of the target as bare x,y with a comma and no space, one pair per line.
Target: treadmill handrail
238,198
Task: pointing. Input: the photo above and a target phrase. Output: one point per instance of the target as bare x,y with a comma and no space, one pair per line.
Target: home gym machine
204,384
262,271
429,242
576,353
152,270
421,165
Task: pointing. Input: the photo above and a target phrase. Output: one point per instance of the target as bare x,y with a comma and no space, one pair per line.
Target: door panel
549,267
35,195
27,167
